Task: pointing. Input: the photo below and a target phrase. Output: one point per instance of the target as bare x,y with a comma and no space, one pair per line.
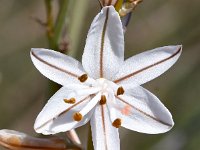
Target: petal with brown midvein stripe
104,135
148,65
57,115
56,66
142,111
104,49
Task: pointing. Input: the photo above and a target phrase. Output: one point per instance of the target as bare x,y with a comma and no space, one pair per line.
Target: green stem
90,144
60,22
54,31
50,24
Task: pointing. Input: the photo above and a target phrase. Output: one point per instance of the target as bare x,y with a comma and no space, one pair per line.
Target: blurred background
154,23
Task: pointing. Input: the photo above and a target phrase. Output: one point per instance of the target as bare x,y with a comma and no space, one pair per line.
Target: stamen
83,78
77,116
117,123
70,101
120,91
103,100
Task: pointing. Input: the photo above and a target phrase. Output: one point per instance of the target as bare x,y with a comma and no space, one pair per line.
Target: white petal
56,66
104,49
104,135
143,112
57,116
91,104
148,65
88,91
66,122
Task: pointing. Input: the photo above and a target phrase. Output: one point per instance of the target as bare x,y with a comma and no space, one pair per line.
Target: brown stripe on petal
144,113
53,66
86,98
104,126
102,43
62,113
145,68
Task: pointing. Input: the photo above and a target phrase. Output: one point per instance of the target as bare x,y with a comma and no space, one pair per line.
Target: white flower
105,89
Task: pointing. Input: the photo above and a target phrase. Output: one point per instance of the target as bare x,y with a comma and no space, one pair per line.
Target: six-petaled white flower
105,89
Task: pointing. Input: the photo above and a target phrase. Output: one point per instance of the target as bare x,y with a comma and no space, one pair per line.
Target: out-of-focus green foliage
154,23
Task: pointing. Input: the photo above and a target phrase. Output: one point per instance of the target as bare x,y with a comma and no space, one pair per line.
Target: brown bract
15,140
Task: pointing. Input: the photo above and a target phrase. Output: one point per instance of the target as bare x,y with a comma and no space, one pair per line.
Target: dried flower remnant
128,7
15,140
106,88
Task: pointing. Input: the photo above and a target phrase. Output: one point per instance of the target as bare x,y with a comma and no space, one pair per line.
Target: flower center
100,89
103,84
